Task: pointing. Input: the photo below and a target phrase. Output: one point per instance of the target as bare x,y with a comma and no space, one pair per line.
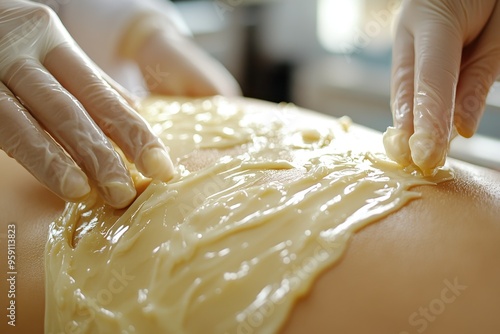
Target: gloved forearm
171,63
152,34
98,25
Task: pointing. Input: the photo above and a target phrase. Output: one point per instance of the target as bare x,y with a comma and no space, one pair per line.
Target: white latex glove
57,107
446,56
170,61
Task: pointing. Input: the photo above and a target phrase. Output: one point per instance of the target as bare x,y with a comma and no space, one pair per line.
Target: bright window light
338,21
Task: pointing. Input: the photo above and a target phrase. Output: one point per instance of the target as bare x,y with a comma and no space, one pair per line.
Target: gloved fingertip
118,194
427,152
75,185
465,128
396,145
156,163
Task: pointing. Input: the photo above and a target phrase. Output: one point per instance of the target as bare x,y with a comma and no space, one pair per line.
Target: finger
131,99
438,48
22,138
68,122
480,68
396,138
111,112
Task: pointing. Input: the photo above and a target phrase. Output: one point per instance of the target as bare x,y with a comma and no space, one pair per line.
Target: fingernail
75,185
427,152
396,145
119,194
156,163
466,127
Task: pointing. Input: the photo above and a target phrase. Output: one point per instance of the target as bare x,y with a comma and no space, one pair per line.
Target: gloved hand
170,61
57,107
446,56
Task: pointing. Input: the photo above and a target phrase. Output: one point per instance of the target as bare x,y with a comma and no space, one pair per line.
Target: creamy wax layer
264,199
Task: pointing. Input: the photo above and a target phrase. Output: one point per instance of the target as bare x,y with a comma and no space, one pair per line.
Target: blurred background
331,56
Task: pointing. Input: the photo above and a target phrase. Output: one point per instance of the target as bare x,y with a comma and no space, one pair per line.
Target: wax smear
228,245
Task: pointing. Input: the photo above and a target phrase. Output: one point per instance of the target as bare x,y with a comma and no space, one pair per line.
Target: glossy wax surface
230,244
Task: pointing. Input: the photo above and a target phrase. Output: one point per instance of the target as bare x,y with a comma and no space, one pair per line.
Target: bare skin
431,267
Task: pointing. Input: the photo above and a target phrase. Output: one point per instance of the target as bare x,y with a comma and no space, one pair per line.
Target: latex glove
170,61
56,108
446,56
